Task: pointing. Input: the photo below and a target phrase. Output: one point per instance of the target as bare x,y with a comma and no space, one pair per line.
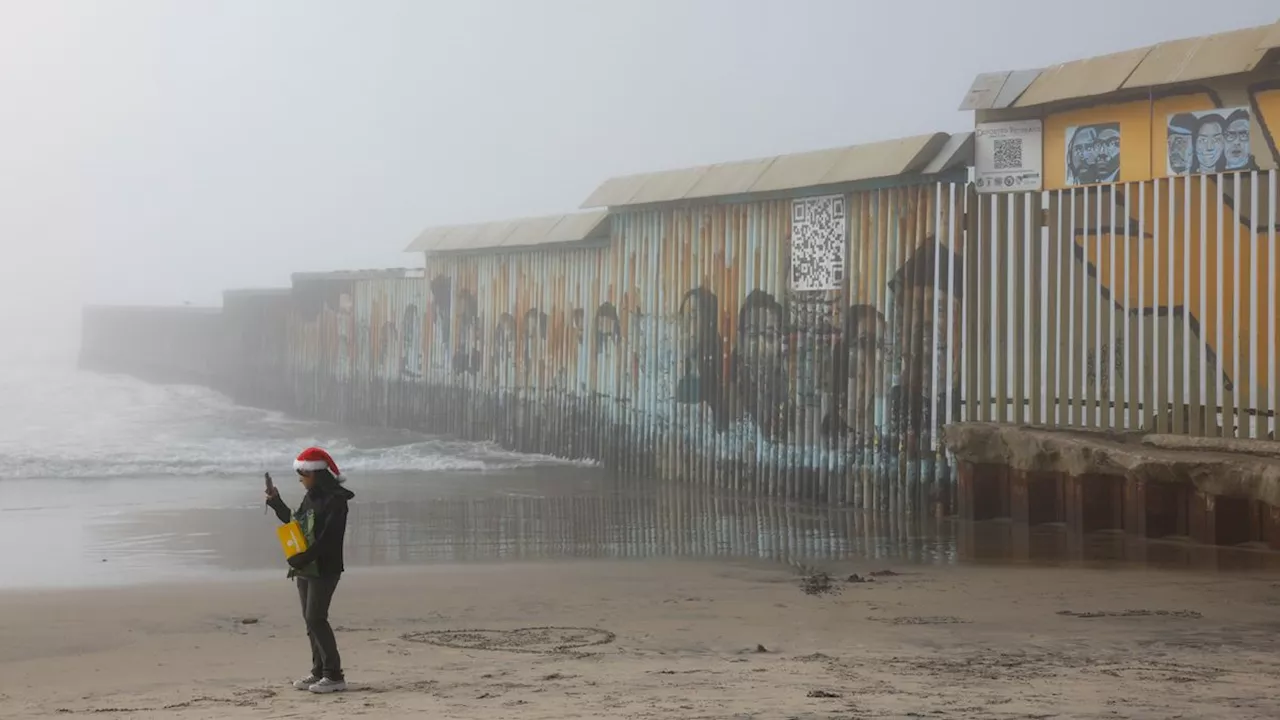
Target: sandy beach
660,638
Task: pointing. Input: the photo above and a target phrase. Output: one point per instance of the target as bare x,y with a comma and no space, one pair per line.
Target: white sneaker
306,682
328,686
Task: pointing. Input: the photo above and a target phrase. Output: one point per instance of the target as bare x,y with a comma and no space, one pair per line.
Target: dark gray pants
316,593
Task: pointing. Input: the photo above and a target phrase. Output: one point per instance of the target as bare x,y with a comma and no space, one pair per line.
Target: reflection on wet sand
596,517
628,523
1053,544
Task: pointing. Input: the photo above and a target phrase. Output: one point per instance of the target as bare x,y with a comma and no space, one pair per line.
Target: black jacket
328,502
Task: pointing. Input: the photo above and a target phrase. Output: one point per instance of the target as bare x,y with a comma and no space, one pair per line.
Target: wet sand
672,590
151,530
661,638
179,529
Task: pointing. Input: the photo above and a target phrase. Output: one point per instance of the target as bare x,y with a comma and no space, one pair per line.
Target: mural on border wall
469,345
813,344
1093,153
1209,141
1191,134
711,342
701,332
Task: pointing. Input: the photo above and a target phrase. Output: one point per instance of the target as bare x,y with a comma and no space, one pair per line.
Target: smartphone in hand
271,491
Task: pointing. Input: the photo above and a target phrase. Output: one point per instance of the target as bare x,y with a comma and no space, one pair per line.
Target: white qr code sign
818,229
1008,156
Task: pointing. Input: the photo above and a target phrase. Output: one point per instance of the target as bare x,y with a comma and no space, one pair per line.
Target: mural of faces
576,322
467,348
1237,147
812,338
1182,128
1093,153
504,349
388,349
606,328
637,362
760,331
865,342
504,337
535,337
1210,141
1109,139
441,317
411,343
699,347
759,367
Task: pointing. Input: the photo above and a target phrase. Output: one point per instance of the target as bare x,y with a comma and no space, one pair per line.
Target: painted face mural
389,349
1179,153
441,320
576,327
1237,141
699,347
760,377
1093,153
636,360
865,342
411,343
535,339
607,329
467,346
1181,129
812,346
1210,143
761,332
1108,154
504,349
1083,157
606,334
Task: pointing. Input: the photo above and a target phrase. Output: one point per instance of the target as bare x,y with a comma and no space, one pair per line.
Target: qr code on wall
1008,154
818,227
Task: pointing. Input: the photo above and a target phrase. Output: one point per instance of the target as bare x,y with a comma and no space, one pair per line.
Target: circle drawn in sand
922,620
536,640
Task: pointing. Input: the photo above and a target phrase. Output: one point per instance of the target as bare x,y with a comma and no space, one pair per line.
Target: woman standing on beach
322,515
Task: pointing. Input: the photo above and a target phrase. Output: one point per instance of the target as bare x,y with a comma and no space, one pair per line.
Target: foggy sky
158,152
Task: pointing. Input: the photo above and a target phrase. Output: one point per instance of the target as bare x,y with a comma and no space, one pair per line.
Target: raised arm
282,511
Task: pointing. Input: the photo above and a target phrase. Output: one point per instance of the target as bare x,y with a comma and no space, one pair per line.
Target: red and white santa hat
314,458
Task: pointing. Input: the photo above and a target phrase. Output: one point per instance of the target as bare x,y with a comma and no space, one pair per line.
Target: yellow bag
291,538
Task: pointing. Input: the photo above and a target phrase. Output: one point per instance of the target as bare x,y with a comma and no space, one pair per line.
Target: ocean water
108,479
60,423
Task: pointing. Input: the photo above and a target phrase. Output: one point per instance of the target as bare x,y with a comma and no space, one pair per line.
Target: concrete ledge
1246,469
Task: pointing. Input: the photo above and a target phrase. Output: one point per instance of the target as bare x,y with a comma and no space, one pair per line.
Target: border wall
805,326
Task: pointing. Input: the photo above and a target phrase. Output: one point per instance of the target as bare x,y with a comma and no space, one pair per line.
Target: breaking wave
59,423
